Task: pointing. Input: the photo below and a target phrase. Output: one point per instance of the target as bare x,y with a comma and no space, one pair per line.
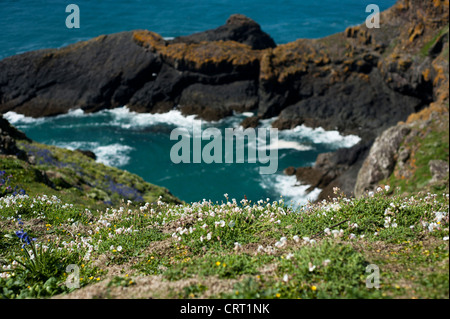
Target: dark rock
251,121
335,169
238,28
8,137
87,153
215,102
100,73
289,171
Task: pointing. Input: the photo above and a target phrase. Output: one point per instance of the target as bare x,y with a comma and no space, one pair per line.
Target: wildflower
296,238
289,256
217,263
285,278
208,237
445,238
119,248
352,236
386,188
313,288
326,262
371,194
311,267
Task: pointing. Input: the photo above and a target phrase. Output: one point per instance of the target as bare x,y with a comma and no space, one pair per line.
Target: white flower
326,262
311,267
306,239
327,231
119,248
289,256
296,238
208,237
285,278
445,238
379,189
201,239
386,188
237,246
371,194
352,236
280,244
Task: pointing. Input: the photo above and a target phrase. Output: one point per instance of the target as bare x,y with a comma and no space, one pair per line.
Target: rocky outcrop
381,160
8,137
238,28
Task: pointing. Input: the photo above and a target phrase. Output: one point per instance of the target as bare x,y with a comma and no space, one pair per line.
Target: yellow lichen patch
149,39
424,114
426,74
198,54
416,32
214,52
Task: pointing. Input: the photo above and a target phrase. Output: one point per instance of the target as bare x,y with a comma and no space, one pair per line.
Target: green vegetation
424,52
229,250
429,143
77,179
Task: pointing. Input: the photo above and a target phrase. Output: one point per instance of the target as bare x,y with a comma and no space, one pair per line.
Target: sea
140,143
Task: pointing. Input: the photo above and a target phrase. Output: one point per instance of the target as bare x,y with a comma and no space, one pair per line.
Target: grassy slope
78,179
232,250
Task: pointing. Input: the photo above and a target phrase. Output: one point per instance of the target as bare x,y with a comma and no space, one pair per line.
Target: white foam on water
126,119
282,144
287,186
73,145
20,119
321,136
116,155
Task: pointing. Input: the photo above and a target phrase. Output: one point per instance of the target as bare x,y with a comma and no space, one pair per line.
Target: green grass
260,250
425,146
424,52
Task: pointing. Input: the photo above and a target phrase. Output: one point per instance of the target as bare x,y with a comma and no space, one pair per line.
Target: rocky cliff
361,81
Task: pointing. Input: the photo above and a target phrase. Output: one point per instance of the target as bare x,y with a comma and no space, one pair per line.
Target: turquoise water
30,25
140,143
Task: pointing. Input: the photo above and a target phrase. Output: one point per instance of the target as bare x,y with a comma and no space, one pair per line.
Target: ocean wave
321,136
127,119
116,155
17,119
293,193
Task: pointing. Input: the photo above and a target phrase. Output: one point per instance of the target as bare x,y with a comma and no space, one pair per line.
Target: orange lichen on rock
199,55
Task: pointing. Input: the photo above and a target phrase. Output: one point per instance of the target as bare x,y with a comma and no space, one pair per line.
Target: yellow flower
237,292
224,264
217,263
278,295
313,288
